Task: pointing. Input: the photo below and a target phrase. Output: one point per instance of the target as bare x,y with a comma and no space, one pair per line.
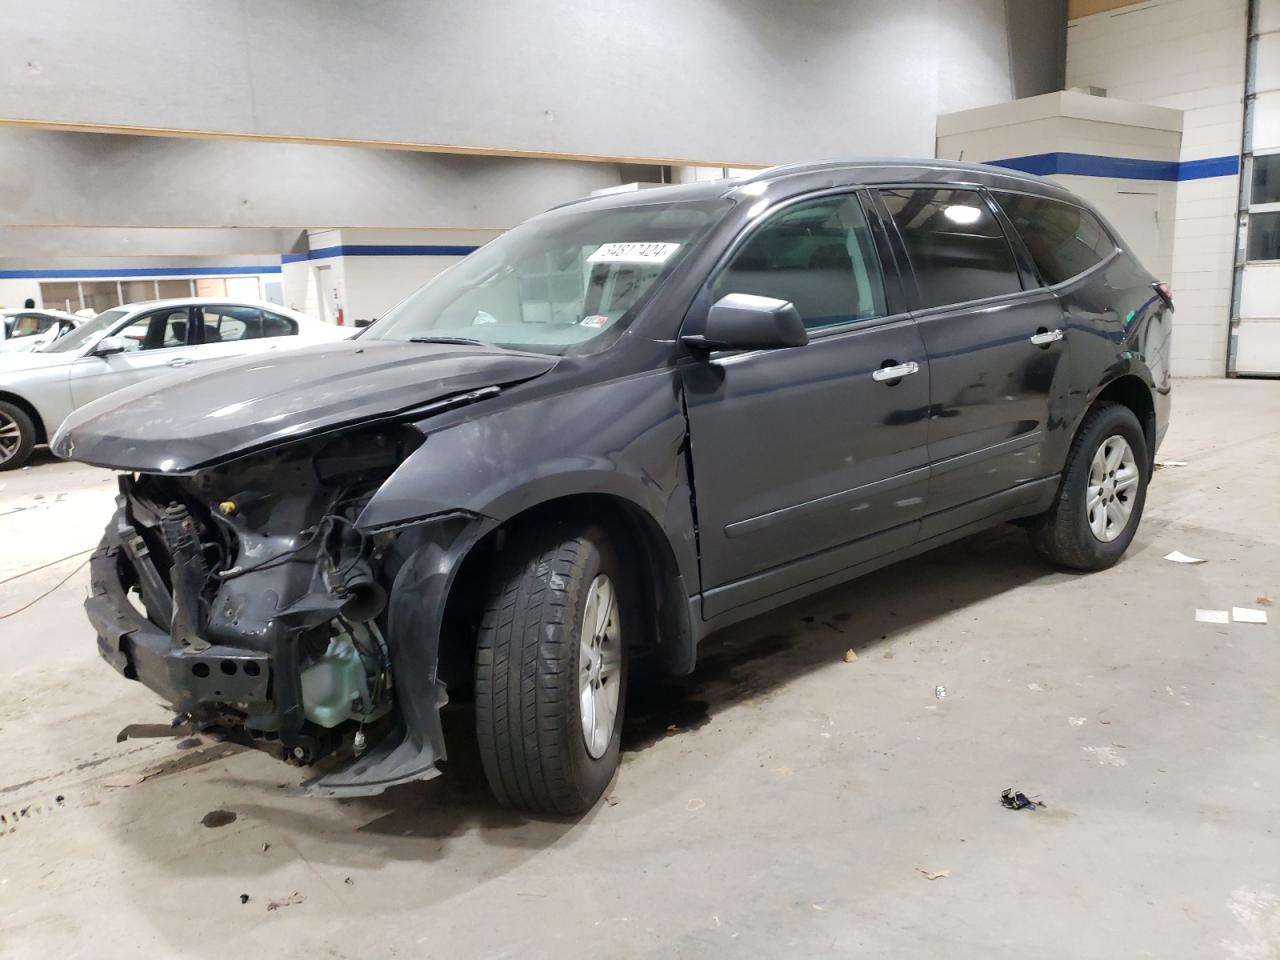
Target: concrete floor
784,803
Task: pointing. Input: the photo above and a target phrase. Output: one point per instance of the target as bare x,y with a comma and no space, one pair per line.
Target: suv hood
221,410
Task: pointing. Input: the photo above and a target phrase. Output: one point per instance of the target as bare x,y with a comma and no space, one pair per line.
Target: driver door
808,460
156,343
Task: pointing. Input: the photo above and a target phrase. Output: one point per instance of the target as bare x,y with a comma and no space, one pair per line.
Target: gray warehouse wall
717,81
70,179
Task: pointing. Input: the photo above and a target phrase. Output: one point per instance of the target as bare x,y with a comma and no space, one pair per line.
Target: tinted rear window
956,245
1064,240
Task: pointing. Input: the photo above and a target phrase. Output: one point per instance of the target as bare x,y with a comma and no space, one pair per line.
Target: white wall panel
1190,55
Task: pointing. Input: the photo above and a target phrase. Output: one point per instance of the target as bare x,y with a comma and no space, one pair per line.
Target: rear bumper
139,650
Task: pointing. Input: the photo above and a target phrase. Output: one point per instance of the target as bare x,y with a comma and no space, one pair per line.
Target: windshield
566,282
81,335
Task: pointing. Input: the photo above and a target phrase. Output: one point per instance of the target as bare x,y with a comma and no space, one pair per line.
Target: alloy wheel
10,437
1113,488
599,666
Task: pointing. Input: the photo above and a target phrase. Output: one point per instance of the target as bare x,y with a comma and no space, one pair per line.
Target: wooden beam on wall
1085,8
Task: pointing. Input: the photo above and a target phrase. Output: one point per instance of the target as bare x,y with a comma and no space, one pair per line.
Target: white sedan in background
25,331
131,343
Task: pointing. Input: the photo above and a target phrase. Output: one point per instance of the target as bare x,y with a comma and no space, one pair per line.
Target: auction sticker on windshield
634,253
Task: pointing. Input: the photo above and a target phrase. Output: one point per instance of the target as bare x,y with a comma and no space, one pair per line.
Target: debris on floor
1170,463
940,692
1177,556
1211,616
244,898
1248,615
1263,600
289,901
933,874
850,656
1076,721
1016,800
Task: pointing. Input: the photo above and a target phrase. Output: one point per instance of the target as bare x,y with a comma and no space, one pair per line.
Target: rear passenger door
997,348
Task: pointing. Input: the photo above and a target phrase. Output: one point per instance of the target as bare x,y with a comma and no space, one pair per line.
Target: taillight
1166,294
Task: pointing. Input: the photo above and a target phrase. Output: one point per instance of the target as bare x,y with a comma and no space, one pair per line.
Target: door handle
1042,337
896,372
180,362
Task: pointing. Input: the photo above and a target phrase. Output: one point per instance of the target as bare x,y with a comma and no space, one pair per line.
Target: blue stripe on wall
1126,168
134,272
383,250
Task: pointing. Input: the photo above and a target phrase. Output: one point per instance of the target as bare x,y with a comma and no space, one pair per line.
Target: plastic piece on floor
1171,463
1212,616
850,656
1248,615
1018,800
1177,556
940,692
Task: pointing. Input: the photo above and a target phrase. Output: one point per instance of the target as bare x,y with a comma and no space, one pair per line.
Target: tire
530,665
17,436
1083,530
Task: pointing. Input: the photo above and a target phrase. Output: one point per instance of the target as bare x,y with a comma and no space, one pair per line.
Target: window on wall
1064,240
61,296
1266,179
172,289
818,255
138,291
100,295
211,287
1264,236
957,248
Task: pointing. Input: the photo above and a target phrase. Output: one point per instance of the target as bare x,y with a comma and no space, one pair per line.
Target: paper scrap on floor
1179,557
1211,616
1248,615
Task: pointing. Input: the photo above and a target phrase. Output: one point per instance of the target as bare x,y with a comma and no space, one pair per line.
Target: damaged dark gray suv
617,428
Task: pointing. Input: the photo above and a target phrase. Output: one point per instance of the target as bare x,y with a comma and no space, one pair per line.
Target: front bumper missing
204,680
141,651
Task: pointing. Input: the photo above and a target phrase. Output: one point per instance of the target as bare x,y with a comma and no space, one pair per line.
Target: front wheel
551,670
1103,490
17,436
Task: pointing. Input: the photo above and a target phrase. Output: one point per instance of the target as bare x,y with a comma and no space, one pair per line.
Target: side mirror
107,346
742,321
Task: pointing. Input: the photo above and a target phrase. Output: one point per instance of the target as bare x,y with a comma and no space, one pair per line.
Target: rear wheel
17,436
1102,494
551,670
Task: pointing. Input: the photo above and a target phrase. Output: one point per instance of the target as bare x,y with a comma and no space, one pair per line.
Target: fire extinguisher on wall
337,311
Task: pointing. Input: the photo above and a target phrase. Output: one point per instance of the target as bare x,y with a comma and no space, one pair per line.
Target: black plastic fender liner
415,618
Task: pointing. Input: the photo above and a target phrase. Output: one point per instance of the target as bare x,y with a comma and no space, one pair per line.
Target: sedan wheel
17,436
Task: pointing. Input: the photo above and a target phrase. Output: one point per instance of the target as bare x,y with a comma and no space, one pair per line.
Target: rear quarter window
1064,240
274,325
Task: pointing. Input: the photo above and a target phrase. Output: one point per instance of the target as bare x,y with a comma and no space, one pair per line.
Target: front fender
623,438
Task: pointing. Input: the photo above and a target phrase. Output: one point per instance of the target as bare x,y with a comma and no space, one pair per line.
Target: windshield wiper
464,340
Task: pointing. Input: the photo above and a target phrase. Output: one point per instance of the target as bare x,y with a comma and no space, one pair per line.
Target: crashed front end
250,596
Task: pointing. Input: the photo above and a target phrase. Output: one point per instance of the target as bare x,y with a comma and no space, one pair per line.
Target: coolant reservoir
334,685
